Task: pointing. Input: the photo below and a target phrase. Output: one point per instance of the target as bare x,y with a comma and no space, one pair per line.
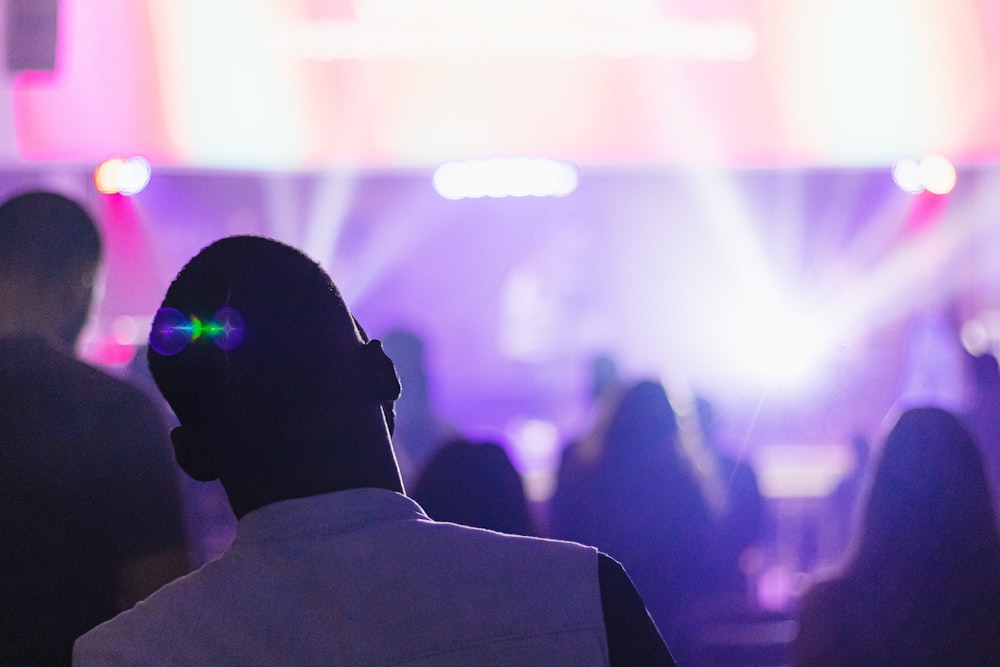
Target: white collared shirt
363,577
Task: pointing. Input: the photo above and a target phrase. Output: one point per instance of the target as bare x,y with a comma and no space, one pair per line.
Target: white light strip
505,177
722,41
802,471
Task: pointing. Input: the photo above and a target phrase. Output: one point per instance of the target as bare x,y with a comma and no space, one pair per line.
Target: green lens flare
172,331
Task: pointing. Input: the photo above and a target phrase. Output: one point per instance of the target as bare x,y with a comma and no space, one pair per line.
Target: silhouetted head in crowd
641,421
302,405
50,250
474,485
985,374
407,351
929,511
603,376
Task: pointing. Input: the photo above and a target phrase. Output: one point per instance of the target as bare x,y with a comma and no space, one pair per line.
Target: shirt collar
325,514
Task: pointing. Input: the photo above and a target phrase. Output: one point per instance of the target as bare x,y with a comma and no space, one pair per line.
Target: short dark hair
298,331
48,237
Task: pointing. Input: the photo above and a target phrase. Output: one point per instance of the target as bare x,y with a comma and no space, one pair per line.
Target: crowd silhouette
90,513
636,498
316,446
474,484
923,584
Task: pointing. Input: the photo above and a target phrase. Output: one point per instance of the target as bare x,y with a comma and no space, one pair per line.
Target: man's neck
301,471
243,503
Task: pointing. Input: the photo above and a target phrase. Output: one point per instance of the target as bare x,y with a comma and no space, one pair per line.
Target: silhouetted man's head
299,371
50,250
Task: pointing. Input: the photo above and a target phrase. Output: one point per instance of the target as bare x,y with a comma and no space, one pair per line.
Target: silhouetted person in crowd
740,517
983,416
281,396
577,456
90,518
603,377
636,499
419,430
474,484
923,585
848,496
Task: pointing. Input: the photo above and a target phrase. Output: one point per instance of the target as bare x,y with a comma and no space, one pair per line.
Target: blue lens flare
227,328
172,331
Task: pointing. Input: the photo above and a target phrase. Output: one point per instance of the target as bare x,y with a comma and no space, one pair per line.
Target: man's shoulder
149,633
524,587
507,547
510,539
103,383
33,361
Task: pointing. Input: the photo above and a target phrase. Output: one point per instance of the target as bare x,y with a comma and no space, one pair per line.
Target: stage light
937,174
783,353
906,174
120,176
777,346
975,337
801,471
505,177
981,333
535,453
106,176
125,330
135,175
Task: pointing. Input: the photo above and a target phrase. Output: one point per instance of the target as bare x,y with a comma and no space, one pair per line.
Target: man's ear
381,371
193,454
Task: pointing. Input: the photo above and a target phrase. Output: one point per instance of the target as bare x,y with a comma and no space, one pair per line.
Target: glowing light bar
722,41
802,471
122,176
502,177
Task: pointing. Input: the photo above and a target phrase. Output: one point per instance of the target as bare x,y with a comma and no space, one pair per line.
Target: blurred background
791,209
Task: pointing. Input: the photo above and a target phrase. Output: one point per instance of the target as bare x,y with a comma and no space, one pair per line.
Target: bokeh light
170,332
122,176
125,330
106,176
906,174
937,174
227,328
975,337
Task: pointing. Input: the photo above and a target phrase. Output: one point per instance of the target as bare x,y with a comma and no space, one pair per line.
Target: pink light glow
186,83
104,95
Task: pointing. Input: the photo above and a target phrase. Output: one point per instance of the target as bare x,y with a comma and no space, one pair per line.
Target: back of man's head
49,252
278,393
295,351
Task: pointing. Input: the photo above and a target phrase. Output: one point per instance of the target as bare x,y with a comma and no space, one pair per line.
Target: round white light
975,337
135,176
118,175
937,174
906,173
